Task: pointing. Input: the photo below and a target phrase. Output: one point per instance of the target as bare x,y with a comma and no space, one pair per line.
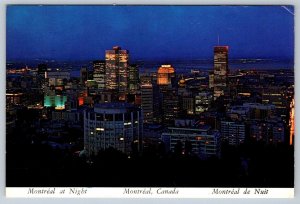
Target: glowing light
292,121
57,101
164,73
80,101
198,138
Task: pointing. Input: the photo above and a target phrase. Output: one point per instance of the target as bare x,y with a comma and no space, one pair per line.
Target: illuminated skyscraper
99,73
51,99
165,74
117,69
221,70
169,101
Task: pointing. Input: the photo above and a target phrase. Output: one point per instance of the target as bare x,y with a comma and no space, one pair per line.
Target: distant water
181,66
206,65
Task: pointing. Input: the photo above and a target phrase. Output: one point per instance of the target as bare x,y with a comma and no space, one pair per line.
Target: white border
3,4
54,192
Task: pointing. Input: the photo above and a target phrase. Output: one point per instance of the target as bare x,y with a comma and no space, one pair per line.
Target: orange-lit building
164,74
14,98
117,69
169,101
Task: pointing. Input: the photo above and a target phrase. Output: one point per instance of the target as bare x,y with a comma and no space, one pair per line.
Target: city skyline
227,122
184,32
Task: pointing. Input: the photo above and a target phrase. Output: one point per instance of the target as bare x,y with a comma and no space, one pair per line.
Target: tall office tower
83,75
52,99
133,78
166,82
147,102
99,73
42,68
211,79
221,71
150,99
57,78
41,82
117,69
203,101
165,75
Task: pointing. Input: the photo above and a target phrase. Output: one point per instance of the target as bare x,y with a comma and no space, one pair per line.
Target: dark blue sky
149,32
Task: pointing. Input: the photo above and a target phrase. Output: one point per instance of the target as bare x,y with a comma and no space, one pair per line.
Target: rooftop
114,105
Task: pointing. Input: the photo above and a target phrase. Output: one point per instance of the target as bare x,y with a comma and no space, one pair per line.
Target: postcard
150,101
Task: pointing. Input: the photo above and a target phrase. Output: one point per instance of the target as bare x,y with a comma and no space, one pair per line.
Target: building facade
99,73
165,74
221,70
117,69
116,125
147,102
203,102
204,142
232,132
133,78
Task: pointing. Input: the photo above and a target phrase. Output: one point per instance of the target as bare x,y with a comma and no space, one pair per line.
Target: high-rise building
57,78
117,69
170,106
147,102
169,101
116,125
269,132
150,99
165,75
133,78
99,73
83,75
188,104
211,79
42,68
203,101
233,132
41,82
221,70
51,99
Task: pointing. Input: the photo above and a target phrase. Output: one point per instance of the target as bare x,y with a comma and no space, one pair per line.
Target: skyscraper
221,71
147,102
83,75
42,68
169,102
133,78
117,69
99,73
165,74
233,132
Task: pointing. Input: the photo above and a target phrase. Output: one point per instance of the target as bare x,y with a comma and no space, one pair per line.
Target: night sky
149,32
